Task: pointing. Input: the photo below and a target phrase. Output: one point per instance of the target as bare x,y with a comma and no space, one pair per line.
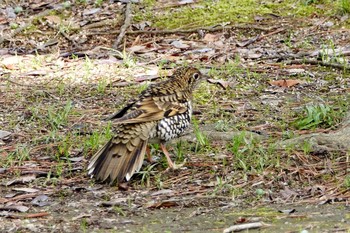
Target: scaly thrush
160,113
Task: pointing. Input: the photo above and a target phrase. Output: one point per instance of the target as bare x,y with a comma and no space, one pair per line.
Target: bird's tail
119,158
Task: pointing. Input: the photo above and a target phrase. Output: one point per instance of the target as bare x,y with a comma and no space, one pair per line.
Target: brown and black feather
160,113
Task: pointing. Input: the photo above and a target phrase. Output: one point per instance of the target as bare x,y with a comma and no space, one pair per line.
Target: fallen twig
177,31
34,215
321,63
125,26
245,226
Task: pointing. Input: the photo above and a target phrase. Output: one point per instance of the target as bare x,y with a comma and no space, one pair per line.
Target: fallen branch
125,25
321,63
184,31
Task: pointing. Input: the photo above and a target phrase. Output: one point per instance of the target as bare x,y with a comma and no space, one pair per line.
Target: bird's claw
173,166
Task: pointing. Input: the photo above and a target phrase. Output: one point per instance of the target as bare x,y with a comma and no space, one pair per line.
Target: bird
160,113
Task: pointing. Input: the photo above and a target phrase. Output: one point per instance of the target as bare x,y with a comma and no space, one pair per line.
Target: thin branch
125,26
321,63
184,31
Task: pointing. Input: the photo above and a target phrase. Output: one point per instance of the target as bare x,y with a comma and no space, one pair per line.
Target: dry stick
271,33
261,37
209,29
322,63
33,215
125,25
176,31
245,226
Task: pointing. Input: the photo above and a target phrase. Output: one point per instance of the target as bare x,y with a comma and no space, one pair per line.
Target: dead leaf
162,192
19,208
287,211
36,73
296,71
53,19
285,82
147,78
26,190
81,216
142,25
224,84
91,11
41,200
137,49
211,37
247,42
21,180
179,44
4,134
161,204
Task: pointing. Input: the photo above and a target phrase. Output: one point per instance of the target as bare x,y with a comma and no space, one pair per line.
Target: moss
209,12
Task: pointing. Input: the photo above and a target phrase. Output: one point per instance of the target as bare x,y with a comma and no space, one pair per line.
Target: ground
269,140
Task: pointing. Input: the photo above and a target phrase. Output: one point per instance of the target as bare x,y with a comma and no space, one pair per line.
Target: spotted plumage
160,113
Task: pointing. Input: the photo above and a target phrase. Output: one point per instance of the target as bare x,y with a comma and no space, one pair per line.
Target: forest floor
269,145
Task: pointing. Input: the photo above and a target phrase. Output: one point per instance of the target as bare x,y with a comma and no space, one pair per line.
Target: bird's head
188,77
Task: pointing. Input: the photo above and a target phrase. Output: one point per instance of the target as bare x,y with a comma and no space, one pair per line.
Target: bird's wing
153,109
121,112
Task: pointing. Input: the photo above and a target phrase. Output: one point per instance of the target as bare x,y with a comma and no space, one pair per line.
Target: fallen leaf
36,73
296,71
19,208
53,19
287,211
247,42
179,44
224,84
26,190
147,78
142,25
161,204
162,192
11,62
4,134
10,66
21,180
137,49
81,216
285,82
41,200
91,11
211,37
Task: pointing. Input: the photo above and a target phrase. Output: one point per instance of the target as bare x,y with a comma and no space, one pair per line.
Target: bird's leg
171,164
149,156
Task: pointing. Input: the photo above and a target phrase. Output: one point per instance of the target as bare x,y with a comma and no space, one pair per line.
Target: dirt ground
269,142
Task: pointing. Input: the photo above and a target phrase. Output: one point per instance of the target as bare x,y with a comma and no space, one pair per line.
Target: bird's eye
195,76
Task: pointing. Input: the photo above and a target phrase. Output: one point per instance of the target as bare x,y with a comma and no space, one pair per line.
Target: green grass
344,6
210,13
318,116
250,156
16,158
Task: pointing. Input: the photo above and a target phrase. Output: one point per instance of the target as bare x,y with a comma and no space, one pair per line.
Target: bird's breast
172,127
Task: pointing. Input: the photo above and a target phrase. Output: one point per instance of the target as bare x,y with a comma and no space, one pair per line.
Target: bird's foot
173,166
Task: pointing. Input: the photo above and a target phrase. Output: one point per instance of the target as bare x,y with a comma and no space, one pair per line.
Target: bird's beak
206,77
204,73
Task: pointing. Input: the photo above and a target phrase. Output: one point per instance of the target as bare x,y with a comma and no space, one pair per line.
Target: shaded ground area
270,129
